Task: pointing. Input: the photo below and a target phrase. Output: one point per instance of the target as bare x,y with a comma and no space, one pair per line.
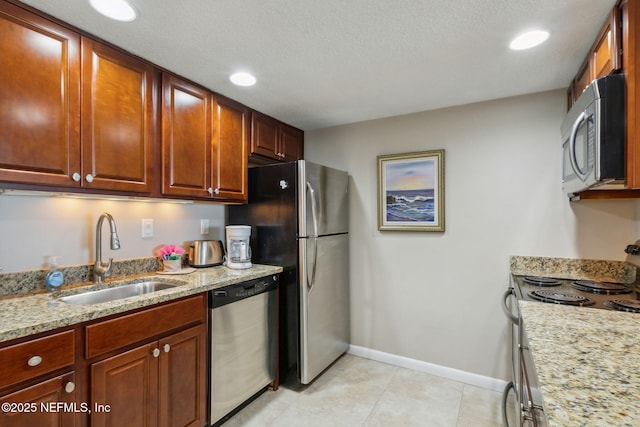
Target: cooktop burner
541,281
567,298
603,288
632,305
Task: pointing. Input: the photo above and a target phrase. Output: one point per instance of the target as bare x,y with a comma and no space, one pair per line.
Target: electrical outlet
204,226
147,228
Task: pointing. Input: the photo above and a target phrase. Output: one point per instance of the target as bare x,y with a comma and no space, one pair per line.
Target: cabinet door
582,80
117,119
39,100
606,52
264,136
229,150
291,142
42,401
186,138
128,383
183,378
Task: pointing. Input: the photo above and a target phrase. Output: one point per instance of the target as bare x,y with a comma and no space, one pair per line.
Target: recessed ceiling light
242,79
120,10
529,39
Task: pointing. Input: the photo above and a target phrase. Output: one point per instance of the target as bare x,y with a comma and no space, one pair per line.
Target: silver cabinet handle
216,191
89,178
76,177
156,352
210,190
166,348
34,361
69,387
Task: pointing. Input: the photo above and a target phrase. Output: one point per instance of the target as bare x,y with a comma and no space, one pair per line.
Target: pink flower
170,250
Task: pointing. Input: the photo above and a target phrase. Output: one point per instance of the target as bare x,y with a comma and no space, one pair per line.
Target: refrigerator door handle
313,268
314,216
314,208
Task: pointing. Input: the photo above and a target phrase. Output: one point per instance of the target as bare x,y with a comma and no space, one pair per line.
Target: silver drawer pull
166,348
34,361
69,387
156,352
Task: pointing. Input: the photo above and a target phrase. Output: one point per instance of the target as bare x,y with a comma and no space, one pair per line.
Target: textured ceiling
330,62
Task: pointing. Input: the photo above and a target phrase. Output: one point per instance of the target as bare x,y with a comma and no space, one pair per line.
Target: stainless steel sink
119,292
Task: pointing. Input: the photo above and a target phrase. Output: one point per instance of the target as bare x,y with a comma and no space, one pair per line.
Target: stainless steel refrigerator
299,217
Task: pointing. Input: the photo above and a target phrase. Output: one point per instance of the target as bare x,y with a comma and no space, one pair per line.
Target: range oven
581,293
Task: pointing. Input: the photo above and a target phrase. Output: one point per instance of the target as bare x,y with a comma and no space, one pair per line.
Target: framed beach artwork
411,191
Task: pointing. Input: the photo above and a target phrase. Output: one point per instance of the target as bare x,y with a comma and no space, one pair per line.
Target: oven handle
505,396
505,307
572,147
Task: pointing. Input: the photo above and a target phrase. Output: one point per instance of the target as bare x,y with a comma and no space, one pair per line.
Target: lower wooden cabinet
182,380
51,403
158,384
142,368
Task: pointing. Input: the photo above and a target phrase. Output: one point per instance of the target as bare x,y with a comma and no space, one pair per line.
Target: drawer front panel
33,358
128,329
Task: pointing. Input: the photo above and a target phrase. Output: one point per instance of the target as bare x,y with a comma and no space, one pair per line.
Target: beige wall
33,227
435,297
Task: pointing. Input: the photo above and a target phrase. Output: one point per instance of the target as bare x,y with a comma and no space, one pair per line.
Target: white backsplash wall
33,227
436,297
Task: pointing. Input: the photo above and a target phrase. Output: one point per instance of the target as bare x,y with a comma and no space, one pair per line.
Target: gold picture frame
411,191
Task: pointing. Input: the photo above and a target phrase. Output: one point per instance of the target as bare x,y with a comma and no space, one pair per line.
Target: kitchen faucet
100,268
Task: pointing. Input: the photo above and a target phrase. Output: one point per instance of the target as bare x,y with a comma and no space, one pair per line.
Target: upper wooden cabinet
80,115
229,149
39,99
74,112
275,140
186,138
630,12
117,120
204,143
603,58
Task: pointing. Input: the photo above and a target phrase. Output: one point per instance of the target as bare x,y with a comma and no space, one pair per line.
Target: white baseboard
430,368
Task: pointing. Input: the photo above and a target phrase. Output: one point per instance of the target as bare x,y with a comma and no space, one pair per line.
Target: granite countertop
587,361
21,316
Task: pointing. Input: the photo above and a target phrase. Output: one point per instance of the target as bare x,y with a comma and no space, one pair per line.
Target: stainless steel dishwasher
243,332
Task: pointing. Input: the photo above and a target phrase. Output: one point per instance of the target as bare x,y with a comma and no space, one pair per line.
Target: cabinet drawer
128,329
33,358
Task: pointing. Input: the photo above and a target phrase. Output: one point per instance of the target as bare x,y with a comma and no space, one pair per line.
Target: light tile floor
357,392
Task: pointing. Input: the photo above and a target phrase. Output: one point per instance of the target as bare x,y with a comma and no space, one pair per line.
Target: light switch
147,228
204,226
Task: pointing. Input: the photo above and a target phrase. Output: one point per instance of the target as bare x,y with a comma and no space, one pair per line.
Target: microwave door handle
572,147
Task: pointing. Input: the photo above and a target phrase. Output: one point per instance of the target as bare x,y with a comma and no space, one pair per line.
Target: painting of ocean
410,205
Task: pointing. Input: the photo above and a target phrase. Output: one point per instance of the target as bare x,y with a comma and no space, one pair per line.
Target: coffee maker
238,249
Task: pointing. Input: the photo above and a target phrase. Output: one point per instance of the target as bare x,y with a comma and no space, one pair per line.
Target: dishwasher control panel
228,294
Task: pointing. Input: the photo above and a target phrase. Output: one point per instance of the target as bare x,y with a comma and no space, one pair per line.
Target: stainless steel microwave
593,138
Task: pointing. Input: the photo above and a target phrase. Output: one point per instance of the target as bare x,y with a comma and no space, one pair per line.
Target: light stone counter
588,363
25,315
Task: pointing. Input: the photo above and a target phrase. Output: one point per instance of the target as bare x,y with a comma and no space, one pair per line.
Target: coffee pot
238,248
